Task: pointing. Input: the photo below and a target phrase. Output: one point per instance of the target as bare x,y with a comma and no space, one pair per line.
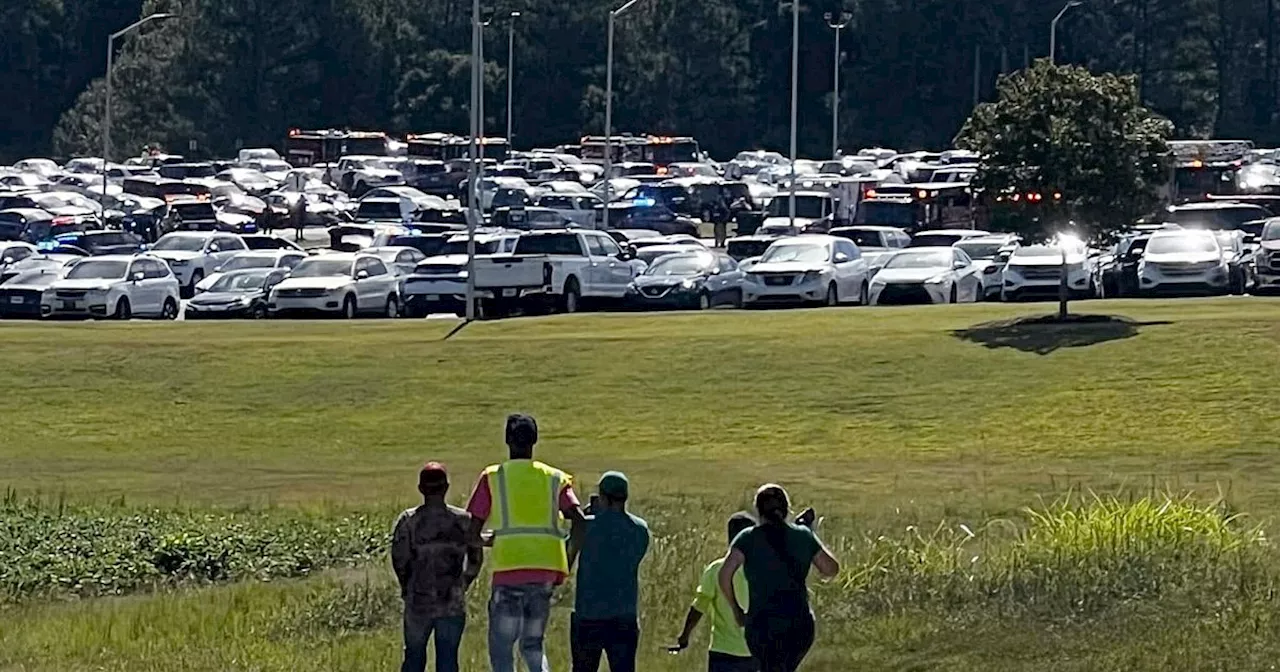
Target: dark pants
723,662
780,641
417,630
617,638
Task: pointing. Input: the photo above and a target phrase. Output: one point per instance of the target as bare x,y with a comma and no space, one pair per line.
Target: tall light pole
473,191
608,110
106,108
837,22
795,86
511,66
1053,30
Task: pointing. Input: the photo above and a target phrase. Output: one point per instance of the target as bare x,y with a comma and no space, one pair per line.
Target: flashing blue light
644,202
47,245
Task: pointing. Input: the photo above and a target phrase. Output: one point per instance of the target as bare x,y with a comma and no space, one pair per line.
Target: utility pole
977,75
836,22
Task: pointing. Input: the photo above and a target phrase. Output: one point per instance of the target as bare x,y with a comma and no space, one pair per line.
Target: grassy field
899,425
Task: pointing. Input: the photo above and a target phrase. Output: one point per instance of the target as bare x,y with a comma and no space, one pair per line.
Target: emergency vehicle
307,148
1203,168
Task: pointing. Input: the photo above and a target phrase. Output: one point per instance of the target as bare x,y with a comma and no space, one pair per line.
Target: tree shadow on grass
1043,334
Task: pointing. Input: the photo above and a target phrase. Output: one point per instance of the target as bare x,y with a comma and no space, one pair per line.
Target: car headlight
179,262
812,276
244,301
936,280
690,283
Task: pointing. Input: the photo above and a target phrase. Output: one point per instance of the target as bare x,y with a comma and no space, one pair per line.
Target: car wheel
1237,284
833,295
955,295
123,310
704,301
393,308
569,302
737,299
258,312
349,308
864,298
169,311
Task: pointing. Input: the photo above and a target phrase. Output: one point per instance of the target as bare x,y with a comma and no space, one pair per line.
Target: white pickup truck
555,270
438,284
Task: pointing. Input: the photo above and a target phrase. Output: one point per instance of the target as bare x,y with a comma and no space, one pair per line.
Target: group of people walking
755,596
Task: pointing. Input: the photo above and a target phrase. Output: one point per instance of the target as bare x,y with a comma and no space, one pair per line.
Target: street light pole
608,110
511,66
836,22
1053,30
106,109
795,81
473,205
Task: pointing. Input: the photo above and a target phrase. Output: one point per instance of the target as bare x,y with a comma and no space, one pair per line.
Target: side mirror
959,265
715,270
1251,239
217,269
362,275
841,257
626,255
215,248
138,276
6,261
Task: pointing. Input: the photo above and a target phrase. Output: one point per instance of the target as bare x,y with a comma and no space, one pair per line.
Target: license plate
16,299
509,293
68,305
433,297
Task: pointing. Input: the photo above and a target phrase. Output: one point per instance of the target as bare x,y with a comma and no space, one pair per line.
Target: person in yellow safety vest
524,502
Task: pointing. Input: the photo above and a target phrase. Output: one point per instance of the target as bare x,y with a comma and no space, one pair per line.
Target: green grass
882,419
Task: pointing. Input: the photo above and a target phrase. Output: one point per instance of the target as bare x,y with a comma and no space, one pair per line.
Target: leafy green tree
1084,148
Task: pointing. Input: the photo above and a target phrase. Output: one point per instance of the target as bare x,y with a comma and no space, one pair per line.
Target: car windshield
99,270
241,262
1271,231
1180,244
179,244
796,252
920,259
981,250
460,247
320,268
240,282
678,264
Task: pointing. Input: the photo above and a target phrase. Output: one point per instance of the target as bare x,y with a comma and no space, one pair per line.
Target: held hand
739,616
682,643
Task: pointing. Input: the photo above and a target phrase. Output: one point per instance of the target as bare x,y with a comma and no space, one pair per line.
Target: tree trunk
1063,289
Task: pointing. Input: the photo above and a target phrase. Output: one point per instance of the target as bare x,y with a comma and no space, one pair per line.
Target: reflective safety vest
526,516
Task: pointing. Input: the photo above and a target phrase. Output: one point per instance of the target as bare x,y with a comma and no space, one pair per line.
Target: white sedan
344,284
927,275
253,259
114,286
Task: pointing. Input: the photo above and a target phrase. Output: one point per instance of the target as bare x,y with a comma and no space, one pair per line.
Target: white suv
1188,261
338,284
809,269
1035,272
115,286
193,255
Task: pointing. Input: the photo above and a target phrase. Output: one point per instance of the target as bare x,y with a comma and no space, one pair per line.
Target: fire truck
306,148
449,147
1203,168
660,150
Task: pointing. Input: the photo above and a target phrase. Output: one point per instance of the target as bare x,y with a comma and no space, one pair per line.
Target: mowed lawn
879,418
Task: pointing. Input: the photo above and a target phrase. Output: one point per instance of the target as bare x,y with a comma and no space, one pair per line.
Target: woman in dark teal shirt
775,557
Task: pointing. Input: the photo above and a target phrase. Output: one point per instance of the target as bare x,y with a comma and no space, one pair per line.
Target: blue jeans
417,630
518,614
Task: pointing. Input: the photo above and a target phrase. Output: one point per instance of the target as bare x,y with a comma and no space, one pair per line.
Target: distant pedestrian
728,651
526,501
775,556
605,610
298,216
436,559
264,219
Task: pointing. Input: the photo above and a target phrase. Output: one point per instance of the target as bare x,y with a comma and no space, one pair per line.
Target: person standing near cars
605,606
525,500
775,556
435,561
728,651
298,215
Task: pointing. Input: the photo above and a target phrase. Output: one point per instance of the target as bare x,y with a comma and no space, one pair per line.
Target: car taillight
63,221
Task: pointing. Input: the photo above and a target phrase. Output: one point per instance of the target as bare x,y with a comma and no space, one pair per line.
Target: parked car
813,269
748,247
344,284
651,253
58,263
194,255
118,287
698,279
21,293
1183,262
98,243
267,241
556,269
943,237
438,284
927,275
990,254
284,260
358,174
1267,259
13,252
577,208
1035,272
401,260
236,294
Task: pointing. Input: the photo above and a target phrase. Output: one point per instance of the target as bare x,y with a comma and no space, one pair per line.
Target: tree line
232,73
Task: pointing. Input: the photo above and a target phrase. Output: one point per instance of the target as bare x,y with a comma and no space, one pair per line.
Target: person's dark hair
738,522
522,434
772,506
433,480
